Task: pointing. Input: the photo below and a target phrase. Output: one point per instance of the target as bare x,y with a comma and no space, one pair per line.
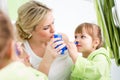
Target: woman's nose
52,30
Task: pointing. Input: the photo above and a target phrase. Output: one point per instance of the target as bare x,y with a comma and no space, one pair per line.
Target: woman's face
45,30
85,43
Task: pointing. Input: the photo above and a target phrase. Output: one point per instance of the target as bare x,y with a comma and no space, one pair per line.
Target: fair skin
83,40
42,34
48,58
85,45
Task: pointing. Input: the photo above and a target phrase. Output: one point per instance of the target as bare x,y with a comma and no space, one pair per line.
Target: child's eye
83,36
52,23
75,37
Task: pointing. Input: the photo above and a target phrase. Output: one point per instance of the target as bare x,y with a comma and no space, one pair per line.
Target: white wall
115,71
3,6
70,13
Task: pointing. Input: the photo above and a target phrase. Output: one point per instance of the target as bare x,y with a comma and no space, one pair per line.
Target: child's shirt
18,71
95,67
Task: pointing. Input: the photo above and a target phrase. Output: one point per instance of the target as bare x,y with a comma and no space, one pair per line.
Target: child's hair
6,35
30,15
92,29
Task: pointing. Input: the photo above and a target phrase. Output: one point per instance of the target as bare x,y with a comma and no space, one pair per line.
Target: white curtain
3,6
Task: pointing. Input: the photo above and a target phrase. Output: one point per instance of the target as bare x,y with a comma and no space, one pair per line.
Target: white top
60,68
34,59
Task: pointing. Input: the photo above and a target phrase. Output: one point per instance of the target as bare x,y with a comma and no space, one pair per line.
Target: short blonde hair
30,15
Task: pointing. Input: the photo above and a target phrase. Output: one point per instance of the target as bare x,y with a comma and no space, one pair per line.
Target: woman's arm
48,58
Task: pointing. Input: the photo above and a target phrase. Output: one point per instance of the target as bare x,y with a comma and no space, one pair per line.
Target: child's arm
72,51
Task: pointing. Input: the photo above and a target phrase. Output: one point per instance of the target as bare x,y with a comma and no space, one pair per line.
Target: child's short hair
92,29
6,34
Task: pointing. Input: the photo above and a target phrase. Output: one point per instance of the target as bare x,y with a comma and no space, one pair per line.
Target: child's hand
72,49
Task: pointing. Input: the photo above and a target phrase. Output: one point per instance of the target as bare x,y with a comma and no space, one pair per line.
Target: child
11,67
95,63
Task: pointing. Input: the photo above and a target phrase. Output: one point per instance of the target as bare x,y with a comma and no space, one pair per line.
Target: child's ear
96,42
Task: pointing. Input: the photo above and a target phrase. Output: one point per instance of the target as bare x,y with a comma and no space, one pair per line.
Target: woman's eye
46,27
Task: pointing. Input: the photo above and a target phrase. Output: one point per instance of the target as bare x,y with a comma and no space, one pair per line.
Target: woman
11,67
35,26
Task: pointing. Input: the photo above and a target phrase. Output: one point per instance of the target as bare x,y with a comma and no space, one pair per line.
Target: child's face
85,42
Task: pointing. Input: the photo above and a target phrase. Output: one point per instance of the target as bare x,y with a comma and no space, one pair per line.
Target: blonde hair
6,35
92,29
30,15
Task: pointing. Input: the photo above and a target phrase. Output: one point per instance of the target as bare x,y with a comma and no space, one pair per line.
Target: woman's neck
38,48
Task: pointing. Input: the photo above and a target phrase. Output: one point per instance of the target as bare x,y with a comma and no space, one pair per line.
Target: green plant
108,21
